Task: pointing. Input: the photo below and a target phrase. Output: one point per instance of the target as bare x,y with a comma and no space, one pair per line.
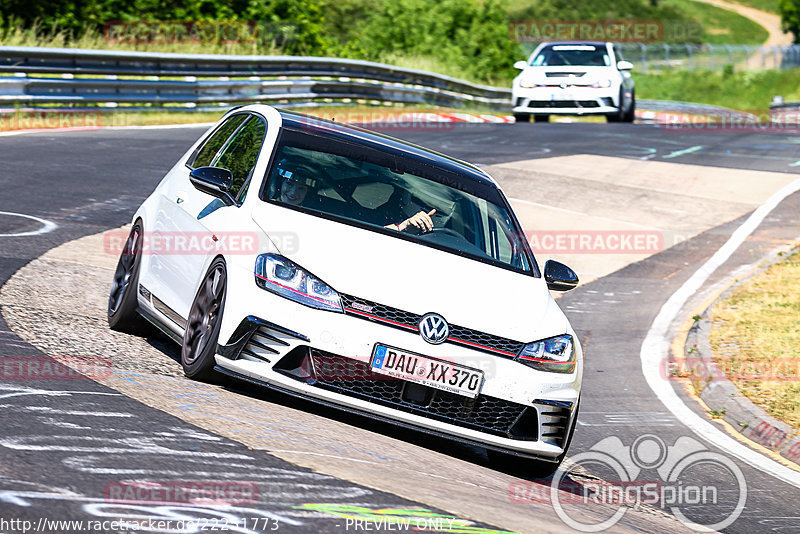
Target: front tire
630,115
522,117
204,323
122,299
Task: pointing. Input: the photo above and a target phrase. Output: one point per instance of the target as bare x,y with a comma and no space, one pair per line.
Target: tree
790,17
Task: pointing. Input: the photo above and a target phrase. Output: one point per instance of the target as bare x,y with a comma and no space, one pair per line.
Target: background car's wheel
619,115
541,118
630,115
522,117
122,299
205,319
533,468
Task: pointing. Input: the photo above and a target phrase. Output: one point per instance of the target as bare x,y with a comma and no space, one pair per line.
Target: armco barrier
222,79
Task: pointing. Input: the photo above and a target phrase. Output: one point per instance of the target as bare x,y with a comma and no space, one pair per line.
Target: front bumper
571,101
324,356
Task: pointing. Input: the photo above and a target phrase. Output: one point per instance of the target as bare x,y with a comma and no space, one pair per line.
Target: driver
295,184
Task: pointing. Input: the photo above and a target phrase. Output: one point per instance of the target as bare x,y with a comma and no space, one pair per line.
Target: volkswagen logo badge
433,328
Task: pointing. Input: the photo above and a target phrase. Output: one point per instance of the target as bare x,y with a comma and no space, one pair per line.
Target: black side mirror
215,181
559,277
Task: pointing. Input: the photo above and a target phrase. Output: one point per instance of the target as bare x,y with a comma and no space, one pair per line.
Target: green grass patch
755,336
771,6
747,91
720,26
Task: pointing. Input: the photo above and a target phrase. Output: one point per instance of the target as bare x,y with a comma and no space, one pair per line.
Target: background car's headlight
601,84
287,279
527,84
554,354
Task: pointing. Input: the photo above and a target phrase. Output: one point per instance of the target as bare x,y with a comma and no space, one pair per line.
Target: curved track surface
69,444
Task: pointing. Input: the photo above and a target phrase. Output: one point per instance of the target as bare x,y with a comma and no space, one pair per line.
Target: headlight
555,354
527,84
287,279
601,84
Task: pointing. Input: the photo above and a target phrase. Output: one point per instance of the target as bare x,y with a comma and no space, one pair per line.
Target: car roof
354,134
592,43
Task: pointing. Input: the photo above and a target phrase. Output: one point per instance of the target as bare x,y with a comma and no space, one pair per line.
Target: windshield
572,55
381,191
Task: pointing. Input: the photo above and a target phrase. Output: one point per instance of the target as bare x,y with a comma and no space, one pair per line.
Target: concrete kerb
721,396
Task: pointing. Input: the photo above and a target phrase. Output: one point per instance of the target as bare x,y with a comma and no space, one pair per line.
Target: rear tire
122,298
203,326
541,118
522,117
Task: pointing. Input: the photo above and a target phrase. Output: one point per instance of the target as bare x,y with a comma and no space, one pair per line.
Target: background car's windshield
565,55
377,189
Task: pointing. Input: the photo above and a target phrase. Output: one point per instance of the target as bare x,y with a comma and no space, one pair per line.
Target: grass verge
755,337
747,91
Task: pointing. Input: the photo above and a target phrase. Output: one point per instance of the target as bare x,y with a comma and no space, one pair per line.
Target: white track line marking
47,226
574,212
655,347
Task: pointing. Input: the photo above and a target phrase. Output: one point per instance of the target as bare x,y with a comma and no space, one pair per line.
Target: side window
241,152
208,150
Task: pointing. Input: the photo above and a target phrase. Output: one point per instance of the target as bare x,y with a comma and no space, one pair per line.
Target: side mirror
559,277
520,65
624,65
214,181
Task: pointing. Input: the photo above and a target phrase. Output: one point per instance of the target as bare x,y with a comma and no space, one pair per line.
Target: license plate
439,374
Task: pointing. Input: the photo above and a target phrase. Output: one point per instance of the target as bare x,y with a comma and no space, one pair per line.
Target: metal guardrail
659,57
333,79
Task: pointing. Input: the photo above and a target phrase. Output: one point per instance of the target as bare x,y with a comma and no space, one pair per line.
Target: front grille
487,414
562,104
408,321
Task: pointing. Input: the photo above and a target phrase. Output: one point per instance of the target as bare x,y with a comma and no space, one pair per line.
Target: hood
571,75
414,277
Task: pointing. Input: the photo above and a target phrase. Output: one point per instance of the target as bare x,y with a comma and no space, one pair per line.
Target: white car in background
574,78
377,276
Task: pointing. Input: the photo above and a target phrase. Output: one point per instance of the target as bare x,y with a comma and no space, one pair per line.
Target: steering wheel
443,230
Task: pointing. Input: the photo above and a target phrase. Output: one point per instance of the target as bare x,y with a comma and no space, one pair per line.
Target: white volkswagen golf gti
574,78
359,271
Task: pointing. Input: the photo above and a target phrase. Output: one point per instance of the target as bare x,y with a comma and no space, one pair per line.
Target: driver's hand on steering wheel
422,221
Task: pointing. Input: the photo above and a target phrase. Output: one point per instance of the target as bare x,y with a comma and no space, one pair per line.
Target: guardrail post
643,49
